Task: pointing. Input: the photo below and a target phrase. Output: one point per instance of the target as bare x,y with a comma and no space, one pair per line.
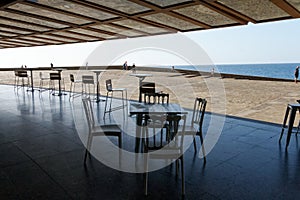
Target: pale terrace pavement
253,99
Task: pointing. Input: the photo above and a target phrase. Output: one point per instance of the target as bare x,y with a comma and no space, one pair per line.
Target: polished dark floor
41,157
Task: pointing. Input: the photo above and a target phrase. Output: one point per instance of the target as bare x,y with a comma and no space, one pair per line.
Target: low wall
185,72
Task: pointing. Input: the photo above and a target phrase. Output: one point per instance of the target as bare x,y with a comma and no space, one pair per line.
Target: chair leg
111,99
120,141
177,167
202,146
195,144
146,176
105,107
182,176
88,148
70,94
85,156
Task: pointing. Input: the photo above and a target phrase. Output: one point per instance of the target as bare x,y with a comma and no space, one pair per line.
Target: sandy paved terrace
252,99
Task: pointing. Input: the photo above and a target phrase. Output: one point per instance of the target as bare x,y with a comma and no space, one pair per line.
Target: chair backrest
72,79
173,125
159,98
42,75
199,111
88,79
21,73
55,76
108,84
88,109
168,122
147,87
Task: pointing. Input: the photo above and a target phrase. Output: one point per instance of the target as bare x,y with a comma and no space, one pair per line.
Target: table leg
284,121
290,128
140,84
31,80
139,121
59,88
97,87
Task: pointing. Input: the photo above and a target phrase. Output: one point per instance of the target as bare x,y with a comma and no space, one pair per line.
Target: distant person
25,66
51,65
173,68
212,71
133,68
296,74
125,65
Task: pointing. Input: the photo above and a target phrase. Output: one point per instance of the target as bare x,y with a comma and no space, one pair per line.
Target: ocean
276,70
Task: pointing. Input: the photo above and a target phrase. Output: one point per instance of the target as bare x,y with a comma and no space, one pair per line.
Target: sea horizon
268,70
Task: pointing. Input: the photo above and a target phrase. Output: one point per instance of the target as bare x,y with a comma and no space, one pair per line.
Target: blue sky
274,42
254,43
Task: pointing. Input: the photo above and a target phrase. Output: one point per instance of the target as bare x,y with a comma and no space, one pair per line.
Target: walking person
296,74
125,66
133,68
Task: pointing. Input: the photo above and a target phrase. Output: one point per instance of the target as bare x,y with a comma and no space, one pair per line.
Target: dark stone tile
31,182
8,190
47,145
11,155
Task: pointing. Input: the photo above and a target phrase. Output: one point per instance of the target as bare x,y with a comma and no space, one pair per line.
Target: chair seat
190,130
118,89
110,91
98,129
165,154
109,128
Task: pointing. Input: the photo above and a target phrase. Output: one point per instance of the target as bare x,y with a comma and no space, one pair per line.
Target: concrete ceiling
25,23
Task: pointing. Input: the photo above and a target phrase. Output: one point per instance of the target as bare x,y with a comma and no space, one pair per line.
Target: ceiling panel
256,9
49,14
7,34
22,25
117,31
205,15
295,3
78,9
31,20
92,33
140,26
121,5
171,21
40,40
66,40
25,41
164,3
75,36
14,30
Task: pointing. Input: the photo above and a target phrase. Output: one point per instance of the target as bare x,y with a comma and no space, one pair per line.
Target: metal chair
195,127
87,82
98,130
110,91
56,77
42,80
21,75
146,88
173,150
73,85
